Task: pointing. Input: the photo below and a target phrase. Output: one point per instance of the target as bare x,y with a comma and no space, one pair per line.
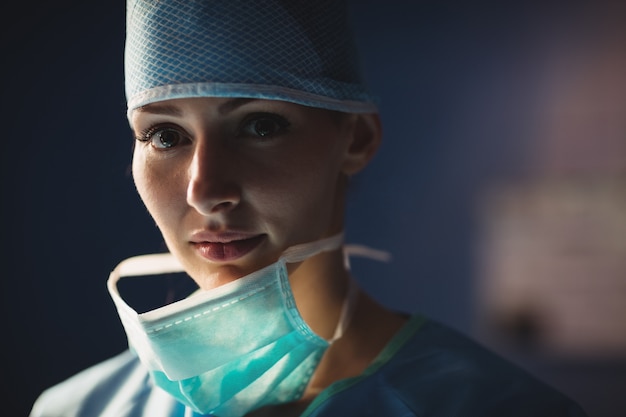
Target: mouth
226,249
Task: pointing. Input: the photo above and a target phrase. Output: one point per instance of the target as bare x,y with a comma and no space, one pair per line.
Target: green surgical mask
235,348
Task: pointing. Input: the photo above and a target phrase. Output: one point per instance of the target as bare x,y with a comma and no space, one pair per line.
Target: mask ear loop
347,310
152,264
299,253
364,252
166,262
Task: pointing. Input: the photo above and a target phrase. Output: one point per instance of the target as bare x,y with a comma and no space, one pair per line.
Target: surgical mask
232,349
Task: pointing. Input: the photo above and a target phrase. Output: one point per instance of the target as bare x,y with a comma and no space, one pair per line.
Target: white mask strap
347,310
162,263
152,264
364,252
349,304
299,253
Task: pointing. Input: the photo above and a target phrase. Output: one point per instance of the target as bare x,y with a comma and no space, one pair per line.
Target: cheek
302,197
158,188
139,176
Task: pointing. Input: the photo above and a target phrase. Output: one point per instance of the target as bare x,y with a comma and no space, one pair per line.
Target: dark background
456,86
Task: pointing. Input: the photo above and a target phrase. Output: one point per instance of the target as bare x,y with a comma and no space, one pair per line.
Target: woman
249,119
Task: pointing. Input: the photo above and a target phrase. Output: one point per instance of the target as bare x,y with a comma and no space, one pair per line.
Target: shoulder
430,369
443,372
118,386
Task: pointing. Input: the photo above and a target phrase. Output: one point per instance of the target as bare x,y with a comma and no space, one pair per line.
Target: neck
370,330
320,286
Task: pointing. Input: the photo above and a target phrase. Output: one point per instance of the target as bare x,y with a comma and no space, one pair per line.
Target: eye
162,137
264,125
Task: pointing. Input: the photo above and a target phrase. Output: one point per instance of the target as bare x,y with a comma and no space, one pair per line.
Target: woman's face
231,183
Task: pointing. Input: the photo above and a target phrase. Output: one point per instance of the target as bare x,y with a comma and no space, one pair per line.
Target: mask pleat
255,385
233,349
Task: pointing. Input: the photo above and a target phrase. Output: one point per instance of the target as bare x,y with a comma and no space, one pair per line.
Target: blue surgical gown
427,370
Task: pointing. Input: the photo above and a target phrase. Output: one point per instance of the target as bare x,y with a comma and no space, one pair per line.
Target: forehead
216,106
177,107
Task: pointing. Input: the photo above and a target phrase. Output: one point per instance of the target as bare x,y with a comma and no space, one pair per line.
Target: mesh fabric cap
293,50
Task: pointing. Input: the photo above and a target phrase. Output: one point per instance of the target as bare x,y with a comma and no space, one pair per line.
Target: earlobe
366,135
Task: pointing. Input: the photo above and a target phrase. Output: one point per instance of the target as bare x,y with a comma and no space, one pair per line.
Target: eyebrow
232,104
172,110
158,108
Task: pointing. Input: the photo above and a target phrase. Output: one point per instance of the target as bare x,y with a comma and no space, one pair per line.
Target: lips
222,249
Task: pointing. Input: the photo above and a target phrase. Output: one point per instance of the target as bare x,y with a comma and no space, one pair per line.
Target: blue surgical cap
300,51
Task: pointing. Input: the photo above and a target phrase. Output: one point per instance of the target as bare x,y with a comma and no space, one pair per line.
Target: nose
212,187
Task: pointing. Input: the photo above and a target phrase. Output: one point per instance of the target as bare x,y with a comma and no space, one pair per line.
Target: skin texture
232,183
222,179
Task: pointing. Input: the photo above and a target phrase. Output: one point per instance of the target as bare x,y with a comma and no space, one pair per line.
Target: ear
366,134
